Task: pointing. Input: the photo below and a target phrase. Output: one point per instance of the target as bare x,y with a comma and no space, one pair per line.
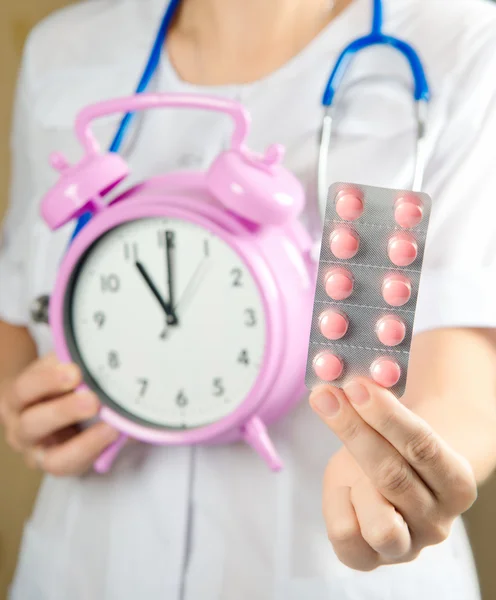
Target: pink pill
333,324
327,366
408,211
402,249
385,372
349,204
344,243
390,330
339,283
396,289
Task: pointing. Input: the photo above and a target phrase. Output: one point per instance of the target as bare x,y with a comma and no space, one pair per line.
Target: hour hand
166,307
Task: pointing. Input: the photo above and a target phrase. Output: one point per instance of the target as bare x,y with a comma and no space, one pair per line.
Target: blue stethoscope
375,38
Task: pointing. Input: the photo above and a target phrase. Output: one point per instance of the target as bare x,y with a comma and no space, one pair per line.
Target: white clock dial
184,374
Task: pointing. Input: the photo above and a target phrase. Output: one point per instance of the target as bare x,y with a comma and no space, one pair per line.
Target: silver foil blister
360,347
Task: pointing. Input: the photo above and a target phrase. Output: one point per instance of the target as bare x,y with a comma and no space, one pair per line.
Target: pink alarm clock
186,300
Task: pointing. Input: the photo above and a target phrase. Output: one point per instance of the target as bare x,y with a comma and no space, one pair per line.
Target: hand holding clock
42,412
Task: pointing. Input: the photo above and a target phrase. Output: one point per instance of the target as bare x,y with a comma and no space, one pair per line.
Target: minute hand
169,247
194,282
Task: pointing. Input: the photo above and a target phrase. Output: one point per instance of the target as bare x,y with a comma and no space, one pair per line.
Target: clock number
218,385
110,283
243,357
143,383
113,360
127,251
206,248
181,399
251,319
99,318
237,275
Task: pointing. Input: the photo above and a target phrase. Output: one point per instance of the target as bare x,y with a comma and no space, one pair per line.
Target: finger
77,455
61,436
448,475
380,461
5,409
382,527
34,456
45,418
43,379
344,533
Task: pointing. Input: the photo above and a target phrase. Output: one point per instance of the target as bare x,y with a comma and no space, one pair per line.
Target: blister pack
368,279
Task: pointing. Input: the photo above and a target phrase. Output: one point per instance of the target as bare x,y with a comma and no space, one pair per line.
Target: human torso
212,523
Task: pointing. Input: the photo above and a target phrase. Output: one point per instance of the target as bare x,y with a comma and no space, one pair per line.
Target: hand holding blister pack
367,286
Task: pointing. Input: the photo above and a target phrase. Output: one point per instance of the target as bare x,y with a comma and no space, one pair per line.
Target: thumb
361,390
341,408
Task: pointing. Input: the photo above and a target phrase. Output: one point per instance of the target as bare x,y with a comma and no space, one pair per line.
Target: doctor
214,523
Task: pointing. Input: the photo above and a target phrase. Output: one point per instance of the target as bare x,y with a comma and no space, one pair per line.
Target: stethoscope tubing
376,37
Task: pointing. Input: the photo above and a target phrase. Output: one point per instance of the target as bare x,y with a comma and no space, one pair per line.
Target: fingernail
326,403
87,401
69,374
357,393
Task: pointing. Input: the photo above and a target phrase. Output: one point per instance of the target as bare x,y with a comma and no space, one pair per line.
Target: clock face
167,321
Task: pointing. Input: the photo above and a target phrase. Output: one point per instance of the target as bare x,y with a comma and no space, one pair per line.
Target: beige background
17,484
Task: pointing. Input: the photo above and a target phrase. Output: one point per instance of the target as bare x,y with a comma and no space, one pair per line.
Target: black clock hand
169,247
153,288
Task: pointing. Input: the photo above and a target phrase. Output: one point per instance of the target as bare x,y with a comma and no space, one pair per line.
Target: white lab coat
213,523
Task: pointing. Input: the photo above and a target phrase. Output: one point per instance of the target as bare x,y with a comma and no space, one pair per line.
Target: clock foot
256,435
107,457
